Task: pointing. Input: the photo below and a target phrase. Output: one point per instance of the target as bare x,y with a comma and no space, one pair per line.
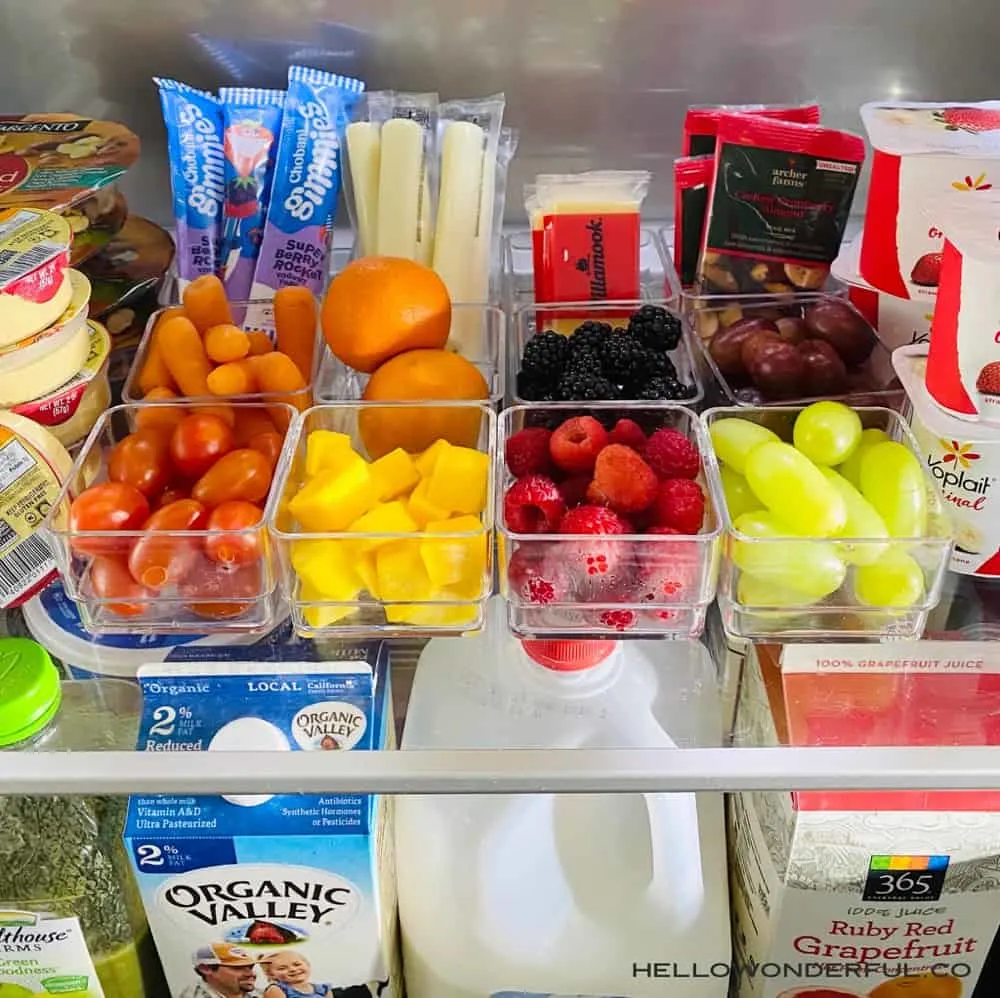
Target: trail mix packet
701,124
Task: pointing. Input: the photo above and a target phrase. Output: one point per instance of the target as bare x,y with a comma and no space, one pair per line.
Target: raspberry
574,489
618,620
628,432
625,479
598,567
680,503
537,575
668,572
533,505
594,520
527,452
671,455
575,445
988,381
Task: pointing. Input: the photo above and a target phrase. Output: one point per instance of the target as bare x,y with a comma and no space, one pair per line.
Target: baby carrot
159,415
225,343
251,421
206,303
184,354
154,373
259,343
235,378
277,374
295,326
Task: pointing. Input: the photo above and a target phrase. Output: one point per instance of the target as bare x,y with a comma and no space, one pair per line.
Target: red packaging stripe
789,136
879,260
942,379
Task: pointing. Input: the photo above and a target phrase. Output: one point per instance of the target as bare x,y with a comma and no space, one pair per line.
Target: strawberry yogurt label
922,151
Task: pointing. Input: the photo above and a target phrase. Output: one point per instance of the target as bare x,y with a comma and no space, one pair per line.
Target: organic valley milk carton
882,895
270,896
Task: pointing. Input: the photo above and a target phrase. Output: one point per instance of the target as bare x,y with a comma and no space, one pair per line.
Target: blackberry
658,365
623,359
533,390
584,361
589,336
664,389
585,386
656,328
544,357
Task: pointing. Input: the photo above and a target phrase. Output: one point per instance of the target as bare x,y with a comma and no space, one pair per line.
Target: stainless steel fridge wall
589,83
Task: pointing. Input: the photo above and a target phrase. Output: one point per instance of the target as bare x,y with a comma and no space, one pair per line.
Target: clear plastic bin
871,382
565,317
479,333
644,585
210,598
839,616
132,393
657,274
351,600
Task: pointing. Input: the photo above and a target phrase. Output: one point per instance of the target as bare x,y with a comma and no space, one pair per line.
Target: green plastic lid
29,690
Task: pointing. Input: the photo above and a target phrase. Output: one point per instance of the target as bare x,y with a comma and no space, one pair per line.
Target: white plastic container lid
905,128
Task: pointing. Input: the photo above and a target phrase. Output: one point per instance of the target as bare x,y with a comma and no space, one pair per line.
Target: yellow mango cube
428,460
456,561
395,475
433,614
326,567
384,518
327,451
460,480
401,574
365,566
333,500
322,616
421,508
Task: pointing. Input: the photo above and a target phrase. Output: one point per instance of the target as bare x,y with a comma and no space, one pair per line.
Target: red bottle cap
568,656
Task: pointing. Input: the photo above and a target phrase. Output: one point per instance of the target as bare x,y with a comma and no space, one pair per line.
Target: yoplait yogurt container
921,151
963,369
964,458
898,321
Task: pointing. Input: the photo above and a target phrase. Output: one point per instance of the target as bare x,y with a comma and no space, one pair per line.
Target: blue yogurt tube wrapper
251,120
306,186
197,175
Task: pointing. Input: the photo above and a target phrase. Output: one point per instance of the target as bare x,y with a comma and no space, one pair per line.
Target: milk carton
275,896
848,894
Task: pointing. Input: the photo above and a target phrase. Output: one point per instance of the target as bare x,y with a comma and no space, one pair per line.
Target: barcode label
23,567
14,266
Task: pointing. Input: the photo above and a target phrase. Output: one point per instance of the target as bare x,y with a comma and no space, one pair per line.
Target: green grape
827,432
862,521
733,439
795,490
851,468
755,591
739,496
810,568
893,482
894,580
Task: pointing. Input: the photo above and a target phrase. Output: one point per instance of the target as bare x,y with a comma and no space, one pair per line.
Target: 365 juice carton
850,894
275,896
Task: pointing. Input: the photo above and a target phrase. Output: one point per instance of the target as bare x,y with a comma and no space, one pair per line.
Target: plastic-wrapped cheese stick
491,214
364,154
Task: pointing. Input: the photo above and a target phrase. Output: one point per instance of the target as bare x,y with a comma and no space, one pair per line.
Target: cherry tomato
142,459
269,444
234,548
171,494
198,442
109,506
160,558
110,579
240,474
221,592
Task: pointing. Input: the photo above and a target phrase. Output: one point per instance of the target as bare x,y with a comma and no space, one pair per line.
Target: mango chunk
327,568
322,616
459,562
365,566
384,518
431,614
327,451
401,574
459,480
427,461
421,508
335,499
395,475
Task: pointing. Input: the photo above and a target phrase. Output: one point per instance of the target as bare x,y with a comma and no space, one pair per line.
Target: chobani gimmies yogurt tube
964,458
921,151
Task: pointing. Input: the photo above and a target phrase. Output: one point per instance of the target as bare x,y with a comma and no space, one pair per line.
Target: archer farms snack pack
280,896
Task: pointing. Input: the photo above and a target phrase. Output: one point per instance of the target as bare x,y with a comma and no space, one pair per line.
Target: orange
424,375
379,306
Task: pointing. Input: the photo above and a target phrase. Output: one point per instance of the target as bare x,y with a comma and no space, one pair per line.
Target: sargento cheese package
271,894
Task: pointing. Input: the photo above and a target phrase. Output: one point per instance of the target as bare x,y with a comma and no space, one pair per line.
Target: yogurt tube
921,151
898,321
306,186
964,460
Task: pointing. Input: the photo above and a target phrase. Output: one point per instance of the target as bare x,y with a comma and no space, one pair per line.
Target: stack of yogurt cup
53,358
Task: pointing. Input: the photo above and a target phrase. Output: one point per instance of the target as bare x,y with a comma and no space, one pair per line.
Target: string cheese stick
363,152
425,226
400,162
483,256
